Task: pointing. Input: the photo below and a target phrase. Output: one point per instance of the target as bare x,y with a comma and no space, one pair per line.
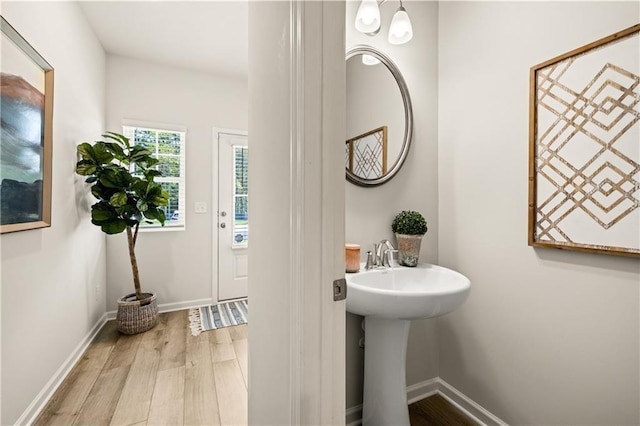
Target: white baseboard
354,416
422,390
468,406
176,306
32,411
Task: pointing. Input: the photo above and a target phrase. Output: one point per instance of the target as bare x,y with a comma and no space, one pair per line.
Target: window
240,196
167,143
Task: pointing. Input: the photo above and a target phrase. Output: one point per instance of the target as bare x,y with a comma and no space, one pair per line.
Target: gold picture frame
584,162
26,90
366,154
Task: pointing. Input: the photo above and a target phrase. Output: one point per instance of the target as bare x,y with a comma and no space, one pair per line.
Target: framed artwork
584,148
366,154
26,114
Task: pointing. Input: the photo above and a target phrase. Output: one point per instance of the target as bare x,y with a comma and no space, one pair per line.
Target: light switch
200,207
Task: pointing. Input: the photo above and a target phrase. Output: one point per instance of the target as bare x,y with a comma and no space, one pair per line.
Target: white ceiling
208,36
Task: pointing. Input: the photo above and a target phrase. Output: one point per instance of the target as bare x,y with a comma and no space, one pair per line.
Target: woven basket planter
137,316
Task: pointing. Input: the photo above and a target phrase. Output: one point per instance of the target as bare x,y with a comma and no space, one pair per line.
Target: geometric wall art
26,115
584,148
366,154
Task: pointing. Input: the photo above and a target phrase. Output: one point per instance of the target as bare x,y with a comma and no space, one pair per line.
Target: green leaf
115,149
118,199
114,227
86,151
86,167
102,154
91,179
121,139
143,206
151,162
153,214
102,212
139,154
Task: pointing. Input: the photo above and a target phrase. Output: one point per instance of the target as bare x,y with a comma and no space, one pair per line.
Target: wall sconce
368,22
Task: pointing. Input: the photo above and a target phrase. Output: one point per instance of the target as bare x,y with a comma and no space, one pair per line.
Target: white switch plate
200,207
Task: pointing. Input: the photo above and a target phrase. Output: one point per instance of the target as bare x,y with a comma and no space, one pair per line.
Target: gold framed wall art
26,92
584,148
366,154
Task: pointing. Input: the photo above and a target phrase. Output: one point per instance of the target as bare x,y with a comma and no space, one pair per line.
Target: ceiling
209,36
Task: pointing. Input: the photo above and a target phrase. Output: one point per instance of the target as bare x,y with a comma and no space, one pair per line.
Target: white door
297,122
233,215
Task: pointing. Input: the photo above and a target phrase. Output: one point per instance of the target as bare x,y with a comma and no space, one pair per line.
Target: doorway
232,220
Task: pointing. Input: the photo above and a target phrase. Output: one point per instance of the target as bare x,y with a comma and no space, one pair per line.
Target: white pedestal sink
389,298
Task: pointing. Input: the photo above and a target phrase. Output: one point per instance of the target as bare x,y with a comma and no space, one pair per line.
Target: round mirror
379,117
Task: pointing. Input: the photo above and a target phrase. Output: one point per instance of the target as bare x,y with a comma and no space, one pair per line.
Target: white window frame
128,127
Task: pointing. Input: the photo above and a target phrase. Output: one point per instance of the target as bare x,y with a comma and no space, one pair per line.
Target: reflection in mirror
367,154
379,117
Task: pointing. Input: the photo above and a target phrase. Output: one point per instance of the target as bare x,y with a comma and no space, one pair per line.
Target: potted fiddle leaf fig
409,227
122,176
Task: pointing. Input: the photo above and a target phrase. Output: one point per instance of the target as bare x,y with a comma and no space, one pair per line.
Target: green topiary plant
409,222
122,177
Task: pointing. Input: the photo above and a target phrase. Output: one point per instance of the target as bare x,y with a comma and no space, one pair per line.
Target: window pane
145,138
241,162
169,166
171,210
241,221
168,143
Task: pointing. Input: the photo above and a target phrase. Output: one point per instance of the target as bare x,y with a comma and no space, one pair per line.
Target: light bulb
400,30
368,17
370,60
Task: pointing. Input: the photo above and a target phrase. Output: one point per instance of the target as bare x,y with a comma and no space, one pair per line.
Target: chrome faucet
383,256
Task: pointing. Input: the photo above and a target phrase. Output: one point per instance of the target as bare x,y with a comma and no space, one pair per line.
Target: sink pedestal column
385,388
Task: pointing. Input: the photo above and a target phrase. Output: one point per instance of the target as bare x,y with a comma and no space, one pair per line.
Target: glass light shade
400,30
368,17
370,60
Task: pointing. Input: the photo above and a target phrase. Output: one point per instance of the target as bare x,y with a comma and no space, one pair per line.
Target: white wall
53,279
546,337
369,211
176,265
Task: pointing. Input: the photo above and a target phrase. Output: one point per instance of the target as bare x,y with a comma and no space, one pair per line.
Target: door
297,125
233,215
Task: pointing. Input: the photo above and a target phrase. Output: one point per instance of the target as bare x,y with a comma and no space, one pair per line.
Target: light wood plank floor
162,377
168,377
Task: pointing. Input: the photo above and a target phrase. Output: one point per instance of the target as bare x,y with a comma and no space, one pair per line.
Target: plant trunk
134,262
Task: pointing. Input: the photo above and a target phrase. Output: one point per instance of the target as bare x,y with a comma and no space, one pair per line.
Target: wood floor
168,377
437,411
162,377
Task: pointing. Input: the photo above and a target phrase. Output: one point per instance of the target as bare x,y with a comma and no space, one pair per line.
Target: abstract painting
26,112
584,148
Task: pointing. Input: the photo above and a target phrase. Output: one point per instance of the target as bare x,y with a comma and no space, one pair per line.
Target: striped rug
224,314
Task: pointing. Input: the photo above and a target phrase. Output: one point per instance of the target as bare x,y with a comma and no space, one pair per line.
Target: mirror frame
408,116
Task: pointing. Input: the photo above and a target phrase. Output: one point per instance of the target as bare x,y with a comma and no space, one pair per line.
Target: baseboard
422,390
468,406
176,306
354,416
43,397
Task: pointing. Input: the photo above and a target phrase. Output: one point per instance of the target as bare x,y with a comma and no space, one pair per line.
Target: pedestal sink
389,298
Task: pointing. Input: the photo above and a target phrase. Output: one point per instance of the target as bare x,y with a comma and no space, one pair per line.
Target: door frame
297,102
215,281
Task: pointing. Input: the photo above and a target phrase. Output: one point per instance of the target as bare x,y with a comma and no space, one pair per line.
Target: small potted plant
122,179
409,227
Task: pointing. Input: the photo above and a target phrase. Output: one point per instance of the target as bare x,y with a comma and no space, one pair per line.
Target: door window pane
240,195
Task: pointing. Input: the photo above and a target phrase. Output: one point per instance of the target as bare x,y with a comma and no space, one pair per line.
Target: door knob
223,225
223,214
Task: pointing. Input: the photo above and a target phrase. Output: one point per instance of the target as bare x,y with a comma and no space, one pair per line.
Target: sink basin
424,291
389,298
